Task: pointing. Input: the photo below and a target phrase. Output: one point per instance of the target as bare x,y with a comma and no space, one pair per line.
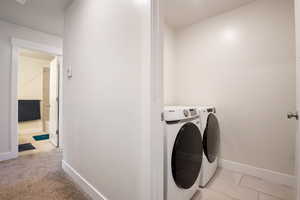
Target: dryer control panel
211,110
207,109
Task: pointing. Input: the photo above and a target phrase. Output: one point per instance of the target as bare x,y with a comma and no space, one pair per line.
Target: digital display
193,112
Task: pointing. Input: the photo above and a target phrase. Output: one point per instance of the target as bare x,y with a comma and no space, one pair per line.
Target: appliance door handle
291,115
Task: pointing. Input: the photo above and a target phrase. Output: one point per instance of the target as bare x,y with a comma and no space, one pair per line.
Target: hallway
37,177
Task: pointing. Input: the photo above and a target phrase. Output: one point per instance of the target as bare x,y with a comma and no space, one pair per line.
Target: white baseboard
272,176
53,142
8,156
82,182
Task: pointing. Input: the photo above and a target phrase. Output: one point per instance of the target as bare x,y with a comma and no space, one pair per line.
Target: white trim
13,101
82,182
16,45
272,176
60,117
156,102
36,46
8,156
53,142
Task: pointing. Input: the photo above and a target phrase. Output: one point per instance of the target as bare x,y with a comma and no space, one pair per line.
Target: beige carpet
37,177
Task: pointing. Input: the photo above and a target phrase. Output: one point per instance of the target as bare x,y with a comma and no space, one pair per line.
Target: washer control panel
186,113
193,112
174,113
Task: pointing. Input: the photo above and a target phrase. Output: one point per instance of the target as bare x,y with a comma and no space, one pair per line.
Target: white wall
169,65
243,62
7,32
30,86
30,78
104,45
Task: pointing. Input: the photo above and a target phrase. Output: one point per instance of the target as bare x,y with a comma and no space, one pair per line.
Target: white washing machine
211,143
183,153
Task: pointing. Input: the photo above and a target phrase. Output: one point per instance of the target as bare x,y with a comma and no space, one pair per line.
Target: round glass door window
187,156
211,138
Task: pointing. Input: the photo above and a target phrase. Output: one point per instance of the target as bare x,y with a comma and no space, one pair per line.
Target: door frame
155,109
18,44
59,64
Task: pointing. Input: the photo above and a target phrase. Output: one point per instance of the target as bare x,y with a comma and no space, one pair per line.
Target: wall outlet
21,2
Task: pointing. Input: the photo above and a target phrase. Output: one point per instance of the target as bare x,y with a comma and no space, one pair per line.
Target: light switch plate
69,72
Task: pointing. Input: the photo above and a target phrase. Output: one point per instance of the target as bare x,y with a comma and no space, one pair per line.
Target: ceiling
48,15
36,54
180,13
42,15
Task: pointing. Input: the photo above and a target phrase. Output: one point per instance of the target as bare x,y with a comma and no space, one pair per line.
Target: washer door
187,156
211,138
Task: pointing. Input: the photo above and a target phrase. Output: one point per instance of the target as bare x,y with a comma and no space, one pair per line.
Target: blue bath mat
41,137
26,147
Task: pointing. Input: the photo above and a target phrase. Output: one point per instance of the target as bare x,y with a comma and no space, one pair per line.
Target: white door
46,93
297,21
53,100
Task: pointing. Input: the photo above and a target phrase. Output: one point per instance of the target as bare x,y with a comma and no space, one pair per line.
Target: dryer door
187,156
211,138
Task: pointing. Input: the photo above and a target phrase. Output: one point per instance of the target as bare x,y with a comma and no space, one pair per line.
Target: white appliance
183,153
211,142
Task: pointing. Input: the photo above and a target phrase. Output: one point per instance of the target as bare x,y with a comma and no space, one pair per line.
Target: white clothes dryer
183,153
211,143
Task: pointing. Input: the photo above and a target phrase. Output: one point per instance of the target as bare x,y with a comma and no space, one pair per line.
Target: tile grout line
260,192
223,193
238,184
271,195
240,181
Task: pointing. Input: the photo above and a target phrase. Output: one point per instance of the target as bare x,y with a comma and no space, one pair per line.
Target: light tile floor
229,185
41,146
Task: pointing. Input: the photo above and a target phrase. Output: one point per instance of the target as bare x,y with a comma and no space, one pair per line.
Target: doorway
227,62
36,81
